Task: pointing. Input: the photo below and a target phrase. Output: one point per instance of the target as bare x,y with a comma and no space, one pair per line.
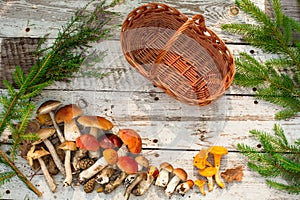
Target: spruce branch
278,79
57,62
278,158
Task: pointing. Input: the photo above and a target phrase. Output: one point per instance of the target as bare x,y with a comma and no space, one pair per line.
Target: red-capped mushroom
131,139
96,124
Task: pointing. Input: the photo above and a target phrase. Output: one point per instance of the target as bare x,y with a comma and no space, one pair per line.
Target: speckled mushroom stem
55,157
49,179
59,133
20,174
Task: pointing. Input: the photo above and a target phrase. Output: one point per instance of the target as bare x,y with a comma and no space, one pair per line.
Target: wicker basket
179,55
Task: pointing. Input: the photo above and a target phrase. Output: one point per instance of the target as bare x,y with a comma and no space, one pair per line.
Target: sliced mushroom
164,175
38,154
68,146
44,134
49,107
179,175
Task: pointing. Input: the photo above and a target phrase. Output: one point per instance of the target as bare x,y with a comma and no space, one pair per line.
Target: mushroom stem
112,185
55,157
47,175
164,174
94,154
144,185
104,176
68,179
140,176
93,170
59,133
210,183
172,185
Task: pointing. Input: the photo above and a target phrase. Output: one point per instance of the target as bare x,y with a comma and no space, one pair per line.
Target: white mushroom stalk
179,175
68,146
143,163
164,175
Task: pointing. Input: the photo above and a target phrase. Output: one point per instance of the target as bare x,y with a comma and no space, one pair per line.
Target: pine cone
90,185
85,163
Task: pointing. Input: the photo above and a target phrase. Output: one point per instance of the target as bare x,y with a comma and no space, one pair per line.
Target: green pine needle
277,158
278,79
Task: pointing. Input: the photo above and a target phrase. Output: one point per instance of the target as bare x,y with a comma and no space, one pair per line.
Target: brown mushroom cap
35,154
127,164
132,139
68,145
43,134
95,122
87,142
180,173
208,172
48,106
111,156
142,161
166,166
67,113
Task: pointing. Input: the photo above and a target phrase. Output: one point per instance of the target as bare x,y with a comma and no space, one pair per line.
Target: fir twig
277,80
55,63
277,159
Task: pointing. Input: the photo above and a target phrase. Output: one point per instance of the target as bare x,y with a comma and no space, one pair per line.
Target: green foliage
278,79
277,159
57,62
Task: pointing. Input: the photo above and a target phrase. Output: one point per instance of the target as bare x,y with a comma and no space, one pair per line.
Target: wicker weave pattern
179,55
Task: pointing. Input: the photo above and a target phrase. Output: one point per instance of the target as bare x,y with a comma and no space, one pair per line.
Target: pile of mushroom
206,169
92,152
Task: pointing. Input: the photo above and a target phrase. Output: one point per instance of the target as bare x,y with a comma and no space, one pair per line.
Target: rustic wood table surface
171,131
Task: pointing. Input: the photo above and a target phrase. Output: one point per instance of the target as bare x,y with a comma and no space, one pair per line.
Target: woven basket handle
189,22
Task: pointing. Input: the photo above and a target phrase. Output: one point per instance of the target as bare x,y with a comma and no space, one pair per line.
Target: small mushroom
127,164
111,157
95,123
49,107
113,184
44,134
68,146
209,172
143,163
200,160
179,175
38,154
164,175
218,152
67,115
140,176
201,185
184,187
144,185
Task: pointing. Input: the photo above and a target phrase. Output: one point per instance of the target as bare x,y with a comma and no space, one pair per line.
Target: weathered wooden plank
252,184
46,17
107,58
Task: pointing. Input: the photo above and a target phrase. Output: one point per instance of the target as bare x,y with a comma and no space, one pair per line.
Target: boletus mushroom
179,175
164,175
